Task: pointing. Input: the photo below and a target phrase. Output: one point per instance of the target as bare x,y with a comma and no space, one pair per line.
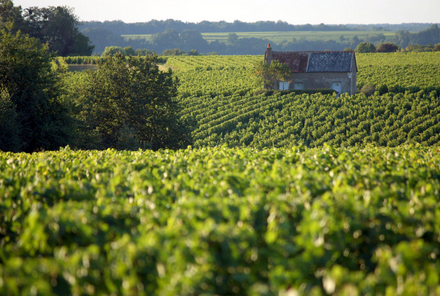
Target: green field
280,36
223,101
280,194
221,221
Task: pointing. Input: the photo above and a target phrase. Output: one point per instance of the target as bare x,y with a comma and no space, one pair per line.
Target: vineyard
282,193
220,93
221,221
401,70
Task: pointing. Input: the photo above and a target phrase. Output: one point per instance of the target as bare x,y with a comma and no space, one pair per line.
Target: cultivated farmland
281,193
280,36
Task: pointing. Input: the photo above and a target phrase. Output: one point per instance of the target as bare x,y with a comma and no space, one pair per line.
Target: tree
193,53
269,74
173,52
12,16
403,38
131,96
168,39
414,48
113,50
102,38
143,52
354,42
192,39
428,36
232,38
365,47
129,51
58,26
9,127
33,90
386,48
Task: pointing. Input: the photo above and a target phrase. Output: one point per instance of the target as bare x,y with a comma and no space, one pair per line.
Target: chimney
268,55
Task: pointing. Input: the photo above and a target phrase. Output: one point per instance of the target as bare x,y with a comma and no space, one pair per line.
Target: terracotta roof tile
310,61
296,60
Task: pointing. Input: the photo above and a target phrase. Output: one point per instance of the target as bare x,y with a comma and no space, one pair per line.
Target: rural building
335,70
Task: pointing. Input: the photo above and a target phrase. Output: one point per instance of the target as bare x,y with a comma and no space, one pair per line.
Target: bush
113,50
173,52
382,89
386,48
368,90
365,47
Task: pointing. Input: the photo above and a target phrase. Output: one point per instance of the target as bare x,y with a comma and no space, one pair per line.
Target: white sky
290,11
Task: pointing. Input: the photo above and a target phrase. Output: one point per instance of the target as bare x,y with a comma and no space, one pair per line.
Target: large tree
192,39
168,39
129,100
103,38
11,17
30,94
58,26
9,127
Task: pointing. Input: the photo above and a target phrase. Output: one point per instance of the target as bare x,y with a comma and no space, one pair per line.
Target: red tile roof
316,61
296,60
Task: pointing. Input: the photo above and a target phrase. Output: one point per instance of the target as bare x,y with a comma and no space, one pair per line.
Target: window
298,86
337,86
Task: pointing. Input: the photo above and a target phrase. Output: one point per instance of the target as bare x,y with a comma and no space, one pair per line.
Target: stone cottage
335,70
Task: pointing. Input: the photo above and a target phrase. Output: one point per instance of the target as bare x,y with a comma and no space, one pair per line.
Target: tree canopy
386,48
365,47
57,26
30,90
128,104
269,74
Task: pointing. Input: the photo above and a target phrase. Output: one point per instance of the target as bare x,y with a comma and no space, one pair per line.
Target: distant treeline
192,40
154,26
411,27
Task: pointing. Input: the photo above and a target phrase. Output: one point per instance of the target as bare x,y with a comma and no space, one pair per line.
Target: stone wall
312,81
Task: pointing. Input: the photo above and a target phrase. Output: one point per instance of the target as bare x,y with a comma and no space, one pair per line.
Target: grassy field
279,36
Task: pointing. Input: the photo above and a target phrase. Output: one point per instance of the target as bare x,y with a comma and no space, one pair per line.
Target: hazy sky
291,11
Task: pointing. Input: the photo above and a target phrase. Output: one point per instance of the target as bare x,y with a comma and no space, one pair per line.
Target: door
284,85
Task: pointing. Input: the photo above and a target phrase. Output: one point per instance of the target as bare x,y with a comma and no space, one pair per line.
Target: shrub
365,47
386,48
368,90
